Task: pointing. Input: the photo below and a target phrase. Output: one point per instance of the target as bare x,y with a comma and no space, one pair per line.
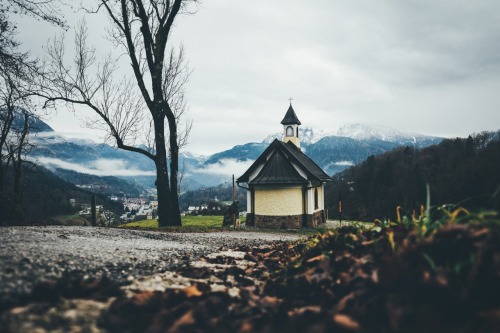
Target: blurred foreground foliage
414,274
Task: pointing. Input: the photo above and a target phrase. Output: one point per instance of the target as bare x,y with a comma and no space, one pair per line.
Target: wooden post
234,215
340,208
92,207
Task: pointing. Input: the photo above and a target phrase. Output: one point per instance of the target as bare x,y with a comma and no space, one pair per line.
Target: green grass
189,224
187,221
206,224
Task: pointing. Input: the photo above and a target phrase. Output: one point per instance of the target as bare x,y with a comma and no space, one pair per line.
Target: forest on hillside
44,195
462,171
106,185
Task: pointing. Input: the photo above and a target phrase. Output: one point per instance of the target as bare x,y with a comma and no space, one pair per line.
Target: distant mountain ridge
350,145
360,132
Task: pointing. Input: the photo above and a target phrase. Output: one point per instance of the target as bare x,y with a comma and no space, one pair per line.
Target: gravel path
29,255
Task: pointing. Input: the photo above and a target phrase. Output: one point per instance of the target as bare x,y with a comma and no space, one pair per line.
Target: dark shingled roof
278,170
280,166
304,161
290,117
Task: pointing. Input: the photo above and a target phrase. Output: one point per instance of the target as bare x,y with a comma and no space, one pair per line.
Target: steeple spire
291,126
290,117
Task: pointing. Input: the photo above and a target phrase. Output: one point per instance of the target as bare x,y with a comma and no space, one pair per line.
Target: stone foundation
286,222
316,219
250,222
278,222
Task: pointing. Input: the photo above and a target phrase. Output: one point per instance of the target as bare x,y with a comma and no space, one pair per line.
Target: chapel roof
290,117
279,166
278,170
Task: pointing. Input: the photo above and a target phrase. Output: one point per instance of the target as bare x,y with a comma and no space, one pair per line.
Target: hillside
458,171
45,195
106,185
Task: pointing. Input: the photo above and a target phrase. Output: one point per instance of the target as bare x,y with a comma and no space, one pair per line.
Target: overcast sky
425,66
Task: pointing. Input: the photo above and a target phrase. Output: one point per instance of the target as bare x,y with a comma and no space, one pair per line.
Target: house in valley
285,188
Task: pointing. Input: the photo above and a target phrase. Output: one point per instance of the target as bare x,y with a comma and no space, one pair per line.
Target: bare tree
6,121
16,119
18,148
45,10
155,100
15,71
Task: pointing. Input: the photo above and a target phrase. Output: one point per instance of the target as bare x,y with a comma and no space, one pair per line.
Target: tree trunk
165,212
17,160
1,175
17,165
174,173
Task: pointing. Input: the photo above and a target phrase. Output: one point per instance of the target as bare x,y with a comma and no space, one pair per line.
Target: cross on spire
290,99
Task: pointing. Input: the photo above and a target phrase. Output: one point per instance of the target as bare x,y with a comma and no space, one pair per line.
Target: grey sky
425,66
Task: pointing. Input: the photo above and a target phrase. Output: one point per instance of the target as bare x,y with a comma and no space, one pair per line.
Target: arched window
316,203
289,131
297,132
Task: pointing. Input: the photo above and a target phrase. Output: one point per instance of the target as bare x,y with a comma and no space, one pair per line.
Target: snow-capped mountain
360,132
366,132
333,151
349,145
307,135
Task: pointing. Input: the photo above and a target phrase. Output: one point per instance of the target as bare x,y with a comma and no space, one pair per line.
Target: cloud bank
99,167
225,167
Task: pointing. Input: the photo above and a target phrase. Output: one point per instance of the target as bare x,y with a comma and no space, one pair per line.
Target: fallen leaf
143,298
18,310
270,300
345,321
192,291
186,319
301,311
317,258
246,327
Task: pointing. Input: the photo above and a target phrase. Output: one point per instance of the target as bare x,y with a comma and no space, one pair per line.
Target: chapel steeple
291,126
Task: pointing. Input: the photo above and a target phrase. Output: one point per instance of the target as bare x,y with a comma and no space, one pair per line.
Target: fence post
92,204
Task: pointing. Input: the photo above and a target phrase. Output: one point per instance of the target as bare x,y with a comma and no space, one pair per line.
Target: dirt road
31,255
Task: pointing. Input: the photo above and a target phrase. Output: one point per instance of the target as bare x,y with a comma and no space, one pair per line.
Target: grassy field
187,221
205,224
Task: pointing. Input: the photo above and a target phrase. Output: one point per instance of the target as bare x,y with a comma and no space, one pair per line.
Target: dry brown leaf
301,311
143,298
317,258
192,291
345,321
375,276
246,327
186,319
18,310
342,304
269,300
480,232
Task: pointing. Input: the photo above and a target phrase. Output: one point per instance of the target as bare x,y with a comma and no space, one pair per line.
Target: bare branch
45,10
153,109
